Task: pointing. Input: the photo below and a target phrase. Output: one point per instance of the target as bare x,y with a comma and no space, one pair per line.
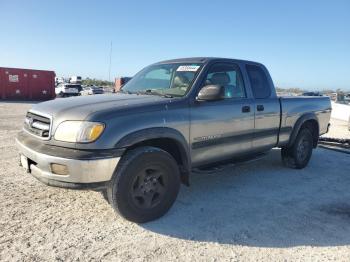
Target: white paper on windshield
187,68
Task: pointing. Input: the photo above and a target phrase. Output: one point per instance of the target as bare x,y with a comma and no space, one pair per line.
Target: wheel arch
309,121
167,139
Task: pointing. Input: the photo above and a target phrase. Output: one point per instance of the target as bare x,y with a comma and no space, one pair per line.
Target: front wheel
299,154
145,184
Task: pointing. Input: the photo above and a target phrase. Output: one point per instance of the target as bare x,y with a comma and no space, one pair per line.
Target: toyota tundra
140,144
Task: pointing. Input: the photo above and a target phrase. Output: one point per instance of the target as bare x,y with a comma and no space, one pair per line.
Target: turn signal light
59,169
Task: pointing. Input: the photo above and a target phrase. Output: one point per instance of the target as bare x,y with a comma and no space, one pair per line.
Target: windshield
163,79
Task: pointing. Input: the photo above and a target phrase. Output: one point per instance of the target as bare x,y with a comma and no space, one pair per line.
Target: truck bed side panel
295,107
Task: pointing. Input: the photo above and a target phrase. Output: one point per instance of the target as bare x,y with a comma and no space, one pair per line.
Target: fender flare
156,133
298,124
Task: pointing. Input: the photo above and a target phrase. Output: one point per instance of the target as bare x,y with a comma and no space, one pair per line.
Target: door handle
260,108
245,109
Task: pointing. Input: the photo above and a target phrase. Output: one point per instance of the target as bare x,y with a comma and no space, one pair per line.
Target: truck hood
80,108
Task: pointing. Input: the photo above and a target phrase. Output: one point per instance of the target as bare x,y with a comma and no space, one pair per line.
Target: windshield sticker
188,68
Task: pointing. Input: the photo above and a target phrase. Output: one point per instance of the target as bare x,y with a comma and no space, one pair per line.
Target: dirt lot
338,129
256,211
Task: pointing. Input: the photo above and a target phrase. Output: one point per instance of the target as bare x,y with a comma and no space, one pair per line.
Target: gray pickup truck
140,144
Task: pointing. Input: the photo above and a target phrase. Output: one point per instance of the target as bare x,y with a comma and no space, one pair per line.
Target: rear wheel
299,154
145,184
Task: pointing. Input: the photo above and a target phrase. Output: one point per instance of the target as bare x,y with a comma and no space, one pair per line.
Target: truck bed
292,107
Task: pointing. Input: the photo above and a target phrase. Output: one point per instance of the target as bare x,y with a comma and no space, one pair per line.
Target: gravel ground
338,129
256,211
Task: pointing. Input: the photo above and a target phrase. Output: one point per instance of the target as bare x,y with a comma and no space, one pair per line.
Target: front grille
37,125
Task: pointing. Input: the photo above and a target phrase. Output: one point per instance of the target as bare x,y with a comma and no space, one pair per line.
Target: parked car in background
66,89
312,94
347,98
92,90
59,80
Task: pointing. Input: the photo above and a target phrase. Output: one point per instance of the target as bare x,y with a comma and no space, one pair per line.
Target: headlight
79,131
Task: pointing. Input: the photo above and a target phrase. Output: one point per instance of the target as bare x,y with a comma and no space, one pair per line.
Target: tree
294,90
96,82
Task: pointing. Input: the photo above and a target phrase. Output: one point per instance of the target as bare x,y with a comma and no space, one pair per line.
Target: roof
203,60
26,69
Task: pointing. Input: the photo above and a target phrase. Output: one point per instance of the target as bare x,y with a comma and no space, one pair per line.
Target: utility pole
110,62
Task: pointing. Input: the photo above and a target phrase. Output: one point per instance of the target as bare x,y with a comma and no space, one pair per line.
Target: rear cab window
258,82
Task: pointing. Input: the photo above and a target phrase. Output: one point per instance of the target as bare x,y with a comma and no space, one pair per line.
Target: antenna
110,63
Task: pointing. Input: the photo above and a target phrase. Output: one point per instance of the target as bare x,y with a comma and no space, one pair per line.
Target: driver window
228,76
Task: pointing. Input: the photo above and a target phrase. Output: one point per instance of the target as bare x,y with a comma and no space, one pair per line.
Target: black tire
298,155
145,184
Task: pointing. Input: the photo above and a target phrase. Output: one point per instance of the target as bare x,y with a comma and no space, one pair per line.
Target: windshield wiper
145,92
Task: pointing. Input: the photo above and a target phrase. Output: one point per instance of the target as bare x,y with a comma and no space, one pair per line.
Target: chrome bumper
79,171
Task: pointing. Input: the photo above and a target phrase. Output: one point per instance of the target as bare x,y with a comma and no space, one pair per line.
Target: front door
221,129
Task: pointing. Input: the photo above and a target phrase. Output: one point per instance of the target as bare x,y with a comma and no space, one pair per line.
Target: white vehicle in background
75,80
59,80
66,89
91,90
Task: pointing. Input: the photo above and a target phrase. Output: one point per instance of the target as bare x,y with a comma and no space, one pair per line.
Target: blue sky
304,44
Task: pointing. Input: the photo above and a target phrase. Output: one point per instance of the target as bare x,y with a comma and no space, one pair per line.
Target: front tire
145,184
298,155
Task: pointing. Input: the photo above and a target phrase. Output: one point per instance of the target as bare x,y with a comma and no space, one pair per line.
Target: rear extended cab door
266,107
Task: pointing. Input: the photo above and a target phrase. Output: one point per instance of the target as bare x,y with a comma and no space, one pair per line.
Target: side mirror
211,93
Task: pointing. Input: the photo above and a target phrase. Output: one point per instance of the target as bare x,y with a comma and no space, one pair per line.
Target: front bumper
82,173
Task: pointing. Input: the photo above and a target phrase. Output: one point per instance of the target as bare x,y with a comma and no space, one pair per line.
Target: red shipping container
119,82
26,84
